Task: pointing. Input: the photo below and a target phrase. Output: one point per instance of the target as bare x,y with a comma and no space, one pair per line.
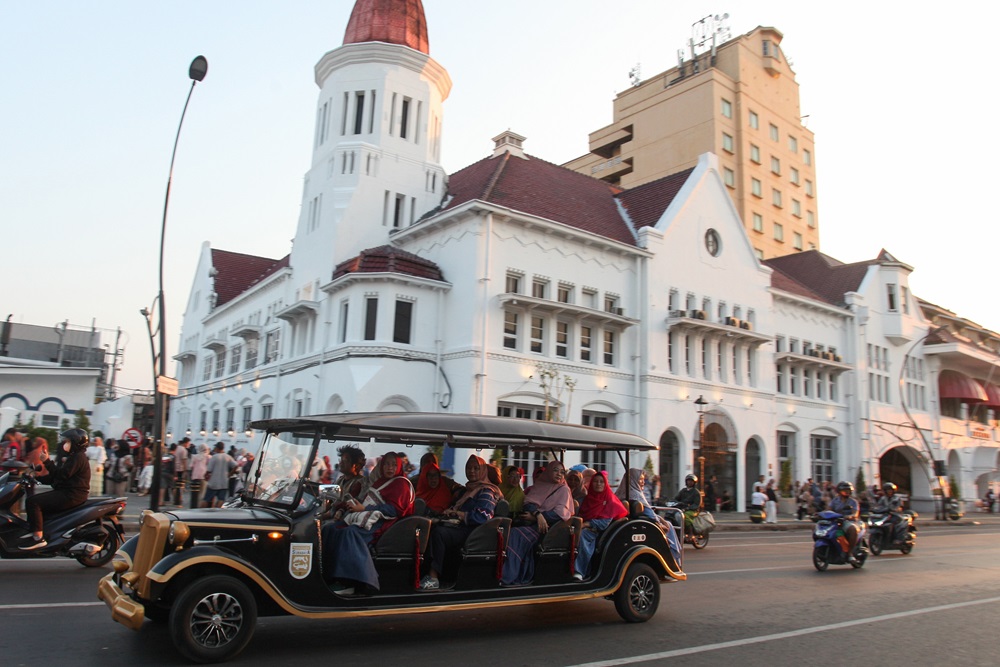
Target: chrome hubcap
216,620
641,593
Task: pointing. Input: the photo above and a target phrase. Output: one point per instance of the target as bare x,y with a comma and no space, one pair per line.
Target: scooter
756,514
880,533
696,538
91,533
830,546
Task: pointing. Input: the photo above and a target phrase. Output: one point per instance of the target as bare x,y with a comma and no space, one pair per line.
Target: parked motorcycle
881,533
91,533
830,546
756,514
695,532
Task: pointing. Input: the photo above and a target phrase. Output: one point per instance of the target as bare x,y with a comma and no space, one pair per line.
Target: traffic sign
132,435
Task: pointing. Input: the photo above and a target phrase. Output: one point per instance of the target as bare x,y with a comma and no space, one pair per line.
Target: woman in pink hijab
548,501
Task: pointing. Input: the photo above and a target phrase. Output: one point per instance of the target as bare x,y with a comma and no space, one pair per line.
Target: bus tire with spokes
639,595
213,619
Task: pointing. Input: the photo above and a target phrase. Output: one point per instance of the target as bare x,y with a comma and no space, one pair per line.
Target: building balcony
822,361
697,322
246,331
534,305
215,343
299,309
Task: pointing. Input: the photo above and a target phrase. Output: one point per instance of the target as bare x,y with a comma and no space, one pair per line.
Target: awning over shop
992,394
952,384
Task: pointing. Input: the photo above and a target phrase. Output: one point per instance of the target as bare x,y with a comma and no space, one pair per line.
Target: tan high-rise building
739,101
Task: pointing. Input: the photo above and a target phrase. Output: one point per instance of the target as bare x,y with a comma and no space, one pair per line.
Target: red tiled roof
827,277
389,259
780,280
646,203
546,190
236,272
391,21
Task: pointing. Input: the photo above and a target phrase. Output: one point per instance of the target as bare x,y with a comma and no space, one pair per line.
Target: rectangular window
207,372
247,417
230,419
807,156
397,211
203,423
727,142
806,382
562,339
371,317
404,118
775,165
220,363
793,175
585,343
779,379
755,187
342,333
590,298
773,131
235,357
904,299
779,232
729,177
797,240
776,197
272,346
510,330
252,345
755,153
754,120
822,458
811,219
796,208
403,324
809,188
785,441
890,293
565,294
758,222
609,348
513,283
539,289
793,380
266,410
793,144
537,344
359,111
727,108
706,358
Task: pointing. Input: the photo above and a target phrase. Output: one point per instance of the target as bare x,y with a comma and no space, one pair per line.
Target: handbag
703,523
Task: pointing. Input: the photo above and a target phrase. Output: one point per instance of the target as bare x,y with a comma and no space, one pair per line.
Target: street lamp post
196,72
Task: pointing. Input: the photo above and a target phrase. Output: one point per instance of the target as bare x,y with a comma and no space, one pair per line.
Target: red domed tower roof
393,21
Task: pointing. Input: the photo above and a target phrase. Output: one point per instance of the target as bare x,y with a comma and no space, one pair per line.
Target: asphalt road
752,598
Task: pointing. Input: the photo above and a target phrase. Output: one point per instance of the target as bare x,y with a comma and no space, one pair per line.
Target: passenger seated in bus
352,480
511,489
574,480
548,501
347,558
432,490
473,508
598,510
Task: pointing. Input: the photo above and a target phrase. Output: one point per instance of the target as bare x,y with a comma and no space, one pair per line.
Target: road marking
649,657
50,605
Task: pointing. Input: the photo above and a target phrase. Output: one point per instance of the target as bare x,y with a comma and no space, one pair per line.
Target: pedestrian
199,466
181,466
119,466
220,467
11,445
146,473
771,507
709,489
96,458
805,500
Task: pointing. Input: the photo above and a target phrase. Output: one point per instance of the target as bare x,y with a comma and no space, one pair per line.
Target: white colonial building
521,288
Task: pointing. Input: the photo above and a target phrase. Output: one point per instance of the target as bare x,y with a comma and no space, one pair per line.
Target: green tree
859,481
81,420
785,480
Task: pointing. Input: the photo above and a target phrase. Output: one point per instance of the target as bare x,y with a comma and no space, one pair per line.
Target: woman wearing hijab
473,508
548,501
511,489
574,480
630,488
432,490
598,510
346,542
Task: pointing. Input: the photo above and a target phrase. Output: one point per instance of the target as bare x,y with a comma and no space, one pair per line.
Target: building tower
740,101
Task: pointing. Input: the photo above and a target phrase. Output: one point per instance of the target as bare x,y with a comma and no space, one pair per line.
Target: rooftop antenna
635,76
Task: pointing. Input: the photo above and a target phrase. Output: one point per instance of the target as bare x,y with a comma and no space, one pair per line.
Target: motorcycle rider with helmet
689,500
892,504
845,505
70,482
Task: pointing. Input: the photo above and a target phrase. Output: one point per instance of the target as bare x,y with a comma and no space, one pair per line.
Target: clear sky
93,91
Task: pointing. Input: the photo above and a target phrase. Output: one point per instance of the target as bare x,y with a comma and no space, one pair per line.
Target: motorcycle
881,533
830,547
696,537
91,533
756,514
